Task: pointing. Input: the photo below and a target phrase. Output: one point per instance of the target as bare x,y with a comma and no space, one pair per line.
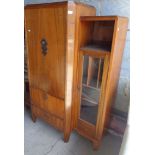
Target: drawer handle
44,46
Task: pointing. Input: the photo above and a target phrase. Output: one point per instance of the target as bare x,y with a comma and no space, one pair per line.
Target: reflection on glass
91,84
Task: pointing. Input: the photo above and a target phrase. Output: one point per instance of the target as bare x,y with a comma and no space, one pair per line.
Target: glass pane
91,83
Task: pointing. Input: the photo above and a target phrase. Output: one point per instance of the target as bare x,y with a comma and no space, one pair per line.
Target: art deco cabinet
51,32
101,45
74,59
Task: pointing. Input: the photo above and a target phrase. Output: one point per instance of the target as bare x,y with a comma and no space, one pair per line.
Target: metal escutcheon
44,46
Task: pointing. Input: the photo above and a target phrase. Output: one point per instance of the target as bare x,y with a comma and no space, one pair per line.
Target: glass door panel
91,84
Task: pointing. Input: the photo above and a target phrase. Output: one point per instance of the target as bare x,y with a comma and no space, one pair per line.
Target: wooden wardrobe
51,40
74,59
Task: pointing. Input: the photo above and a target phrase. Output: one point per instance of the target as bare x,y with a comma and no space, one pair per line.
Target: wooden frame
83,126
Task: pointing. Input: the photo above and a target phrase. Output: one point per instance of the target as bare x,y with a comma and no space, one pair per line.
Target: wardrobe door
93,76
93,69
91,88
46,42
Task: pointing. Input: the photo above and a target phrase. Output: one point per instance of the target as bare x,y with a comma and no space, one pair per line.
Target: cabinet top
39,5
101,18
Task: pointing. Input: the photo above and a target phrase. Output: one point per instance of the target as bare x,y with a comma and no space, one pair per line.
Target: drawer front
52,120
47,102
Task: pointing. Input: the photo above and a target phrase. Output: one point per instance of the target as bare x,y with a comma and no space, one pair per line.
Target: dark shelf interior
102,47
97,35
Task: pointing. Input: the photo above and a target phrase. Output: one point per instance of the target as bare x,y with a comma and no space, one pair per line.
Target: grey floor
42,139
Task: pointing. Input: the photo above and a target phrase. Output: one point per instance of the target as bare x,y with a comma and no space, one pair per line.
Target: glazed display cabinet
101,45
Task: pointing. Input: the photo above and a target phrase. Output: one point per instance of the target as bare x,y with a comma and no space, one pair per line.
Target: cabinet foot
96,145
66,138
34,118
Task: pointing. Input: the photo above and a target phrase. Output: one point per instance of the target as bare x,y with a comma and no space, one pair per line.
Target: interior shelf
91,87
96,48
90,95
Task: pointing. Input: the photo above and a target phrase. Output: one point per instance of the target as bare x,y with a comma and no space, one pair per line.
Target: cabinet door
93,81
46,42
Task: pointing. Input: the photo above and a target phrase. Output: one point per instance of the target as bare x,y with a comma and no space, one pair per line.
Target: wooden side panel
71,14
118,44
47,72
85,33
74,12
81,10
47,103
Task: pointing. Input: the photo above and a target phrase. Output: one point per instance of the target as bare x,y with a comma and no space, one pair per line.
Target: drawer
52,120
48,103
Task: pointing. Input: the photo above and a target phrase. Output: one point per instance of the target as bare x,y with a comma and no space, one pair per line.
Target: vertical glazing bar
99,72
90,70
